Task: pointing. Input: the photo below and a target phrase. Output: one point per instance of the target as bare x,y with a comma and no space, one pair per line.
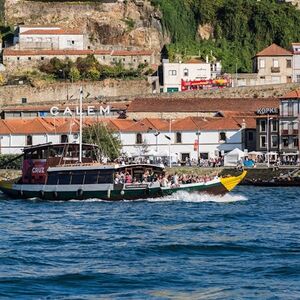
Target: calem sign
90,111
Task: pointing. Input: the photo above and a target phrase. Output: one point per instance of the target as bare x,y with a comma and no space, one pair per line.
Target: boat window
77,177
52,179
105,176
28,140
64,138
64,178
91,177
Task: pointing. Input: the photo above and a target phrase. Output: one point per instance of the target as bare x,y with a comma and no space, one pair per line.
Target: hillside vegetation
241,28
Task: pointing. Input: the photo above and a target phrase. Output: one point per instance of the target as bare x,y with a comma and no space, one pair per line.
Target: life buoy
55,194
21,193
122,192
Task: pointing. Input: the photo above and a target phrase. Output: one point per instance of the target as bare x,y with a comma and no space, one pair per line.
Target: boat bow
231,182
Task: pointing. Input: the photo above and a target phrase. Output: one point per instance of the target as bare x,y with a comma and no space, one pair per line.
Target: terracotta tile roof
12,52
29,126
131,53
70,125
51,32
274,50
200,104
195,61
293,94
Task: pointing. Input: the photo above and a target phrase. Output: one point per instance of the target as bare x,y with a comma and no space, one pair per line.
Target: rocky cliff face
127,23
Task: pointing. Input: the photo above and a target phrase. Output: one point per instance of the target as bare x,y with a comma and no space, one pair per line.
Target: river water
245,245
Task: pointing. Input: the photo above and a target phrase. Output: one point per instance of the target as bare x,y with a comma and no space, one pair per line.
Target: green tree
74,74
93,73
105,138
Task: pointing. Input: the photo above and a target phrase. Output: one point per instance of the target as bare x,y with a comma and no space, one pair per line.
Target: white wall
174,72
208,142
14,144
65,42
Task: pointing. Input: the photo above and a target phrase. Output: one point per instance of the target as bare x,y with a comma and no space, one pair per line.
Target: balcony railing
289,132
275,70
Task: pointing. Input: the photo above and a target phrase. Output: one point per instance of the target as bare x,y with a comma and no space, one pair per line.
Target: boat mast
80,124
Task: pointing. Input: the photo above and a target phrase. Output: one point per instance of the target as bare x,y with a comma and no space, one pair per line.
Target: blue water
245,245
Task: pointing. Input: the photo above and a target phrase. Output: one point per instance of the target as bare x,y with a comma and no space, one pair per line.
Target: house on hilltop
273,65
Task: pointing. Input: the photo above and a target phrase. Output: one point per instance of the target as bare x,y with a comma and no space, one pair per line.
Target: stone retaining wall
63,91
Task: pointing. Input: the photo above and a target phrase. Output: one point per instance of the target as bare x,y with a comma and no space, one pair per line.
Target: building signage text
90,111
267,111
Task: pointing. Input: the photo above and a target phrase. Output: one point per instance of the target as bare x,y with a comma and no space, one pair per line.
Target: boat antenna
80,124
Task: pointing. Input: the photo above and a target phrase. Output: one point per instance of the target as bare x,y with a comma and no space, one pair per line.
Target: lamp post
170,129
268,140
157,133
198,133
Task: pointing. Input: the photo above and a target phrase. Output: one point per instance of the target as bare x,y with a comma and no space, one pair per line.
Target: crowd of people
163,179
206,163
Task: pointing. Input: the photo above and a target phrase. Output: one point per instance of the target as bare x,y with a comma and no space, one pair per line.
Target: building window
123,59
274,141
222,136
275,63
186,72
295,142
298,78
28,140
64,138
18,58
263,125
139,139
274,126
145,60
284,108
285,142
29,58
261,63
250,136
103,57
172,72
288,63
42,57
178,138
263,141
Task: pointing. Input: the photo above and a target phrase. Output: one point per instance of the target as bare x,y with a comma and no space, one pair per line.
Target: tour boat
72,171
52,172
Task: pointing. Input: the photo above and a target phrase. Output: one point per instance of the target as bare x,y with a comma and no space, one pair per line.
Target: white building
296,62
184,138
174,73
46,37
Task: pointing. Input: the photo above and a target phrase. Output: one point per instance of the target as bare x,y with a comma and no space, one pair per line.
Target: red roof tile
51,32
131,53
274,50
12,52
292,95
195,61
159,105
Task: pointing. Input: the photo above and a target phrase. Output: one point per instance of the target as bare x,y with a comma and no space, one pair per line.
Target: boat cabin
37,159
101,174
